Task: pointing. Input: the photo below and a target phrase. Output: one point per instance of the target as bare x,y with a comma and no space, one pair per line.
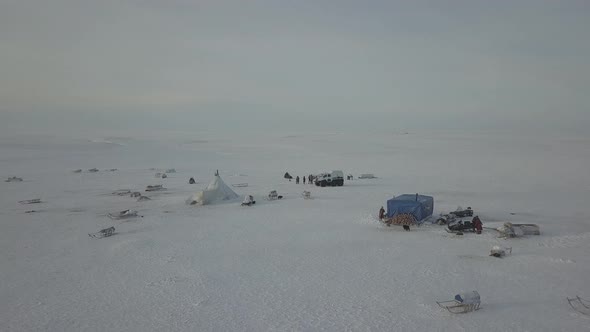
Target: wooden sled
121,192
463,303
157,187
580,305
500,252
126,214
103,233
273,195
401,219
528,229
14,179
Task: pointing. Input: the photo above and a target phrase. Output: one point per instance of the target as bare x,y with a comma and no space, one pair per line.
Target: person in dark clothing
191,181
381,213
477,225
297,179
303,179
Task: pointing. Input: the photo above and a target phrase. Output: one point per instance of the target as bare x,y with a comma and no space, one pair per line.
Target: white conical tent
216,191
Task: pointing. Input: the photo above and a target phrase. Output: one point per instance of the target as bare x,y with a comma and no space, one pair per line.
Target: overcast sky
413,63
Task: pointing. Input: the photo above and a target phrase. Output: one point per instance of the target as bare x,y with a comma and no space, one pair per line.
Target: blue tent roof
421,206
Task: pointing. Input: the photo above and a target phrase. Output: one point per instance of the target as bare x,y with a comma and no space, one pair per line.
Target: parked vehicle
463,213
336,178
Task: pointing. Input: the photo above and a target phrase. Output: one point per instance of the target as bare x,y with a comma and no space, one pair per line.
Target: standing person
477,225
381,213
297,180
303,179
310,179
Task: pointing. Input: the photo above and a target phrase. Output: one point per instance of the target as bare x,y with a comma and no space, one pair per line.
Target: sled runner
463,303
580,305
103,233
31,201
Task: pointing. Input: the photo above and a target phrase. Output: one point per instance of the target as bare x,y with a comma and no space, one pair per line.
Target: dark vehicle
461,226
463,213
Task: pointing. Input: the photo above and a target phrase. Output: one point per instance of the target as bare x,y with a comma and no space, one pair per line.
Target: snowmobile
460,226
463,213
445,219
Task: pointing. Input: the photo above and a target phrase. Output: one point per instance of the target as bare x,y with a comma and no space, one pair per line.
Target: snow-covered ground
293,264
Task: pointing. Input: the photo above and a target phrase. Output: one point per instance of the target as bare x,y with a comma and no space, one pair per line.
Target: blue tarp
421,206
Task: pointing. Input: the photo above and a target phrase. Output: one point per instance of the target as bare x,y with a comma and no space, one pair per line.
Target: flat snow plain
294,264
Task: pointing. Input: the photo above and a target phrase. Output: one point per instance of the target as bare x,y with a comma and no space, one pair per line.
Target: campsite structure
216,191
408,209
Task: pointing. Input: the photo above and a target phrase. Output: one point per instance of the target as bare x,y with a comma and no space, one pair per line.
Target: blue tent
420,206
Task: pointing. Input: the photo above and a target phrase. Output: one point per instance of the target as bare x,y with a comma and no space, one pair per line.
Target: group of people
309,178
303,178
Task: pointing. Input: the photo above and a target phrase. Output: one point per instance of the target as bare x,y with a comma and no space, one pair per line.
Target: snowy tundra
292,264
